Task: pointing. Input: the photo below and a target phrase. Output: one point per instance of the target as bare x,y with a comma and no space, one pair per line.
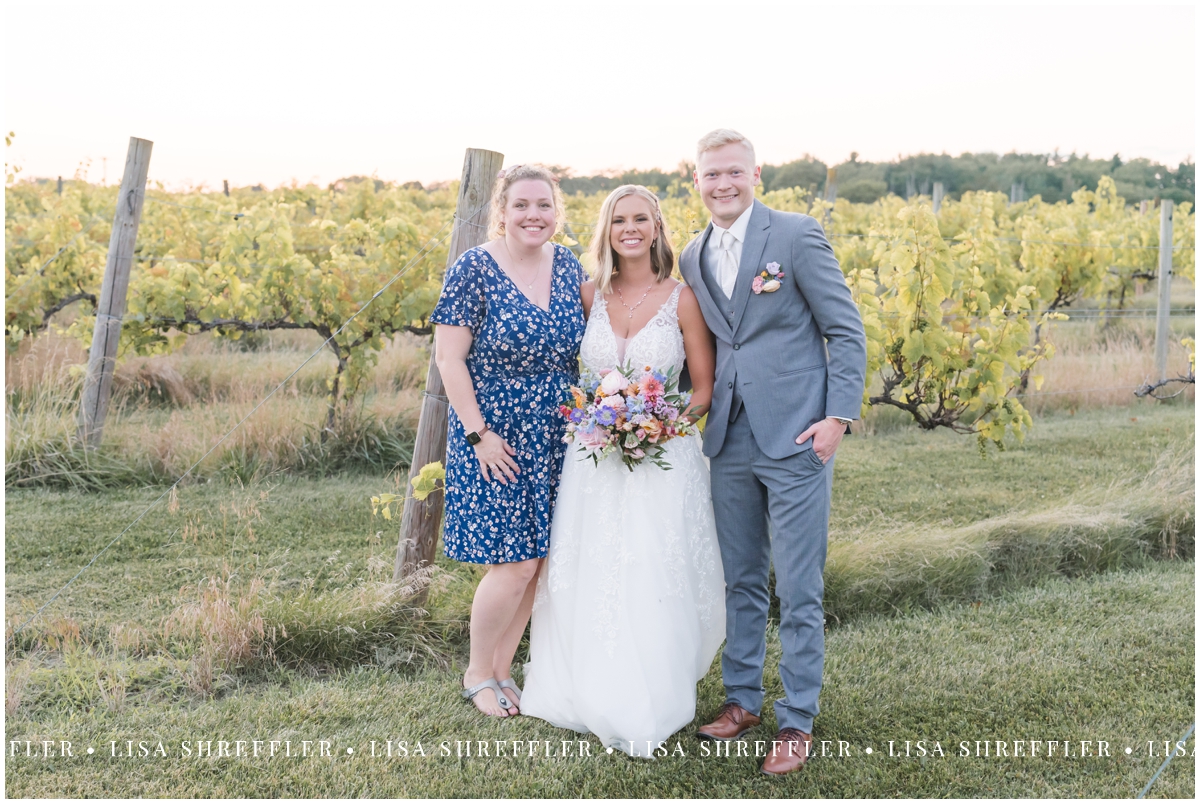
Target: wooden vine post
102,356
420,520
1162,326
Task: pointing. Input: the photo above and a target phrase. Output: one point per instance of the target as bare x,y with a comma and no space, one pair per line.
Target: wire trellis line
1174,752
234,215
1082,390
1022,240
420,256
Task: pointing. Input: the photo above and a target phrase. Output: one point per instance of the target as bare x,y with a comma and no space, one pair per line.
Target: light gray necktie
727,267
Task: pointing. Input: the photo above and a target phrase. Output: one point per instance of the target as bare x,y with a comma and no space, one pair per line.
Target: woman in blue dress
509,324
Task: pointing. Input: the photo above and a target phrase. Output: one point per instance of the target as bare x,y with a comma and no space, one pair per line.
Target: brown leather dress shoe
790,749
732,722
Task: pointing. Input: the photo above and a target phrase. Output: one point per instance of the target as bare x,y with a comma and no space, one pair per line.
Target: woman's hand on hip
495,458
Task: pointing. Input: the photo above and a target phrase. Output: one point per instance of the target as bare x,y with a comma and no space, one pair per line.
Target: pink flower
596,439
613,382
757,284
652,388
616,401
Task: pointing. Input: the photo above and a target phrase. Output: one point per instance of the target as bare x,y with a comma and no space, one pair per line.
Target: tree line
1052,176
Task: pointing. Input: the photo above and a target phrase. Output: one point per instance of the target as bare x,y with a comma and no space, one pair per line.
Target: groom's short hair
722,136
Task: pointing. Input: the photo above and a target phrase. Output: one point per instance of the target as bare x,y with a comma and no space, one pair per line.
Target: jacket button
730,385
737,346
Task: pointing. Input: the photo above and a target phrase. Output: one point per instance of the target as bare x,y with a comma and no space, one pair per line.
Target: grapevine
954,304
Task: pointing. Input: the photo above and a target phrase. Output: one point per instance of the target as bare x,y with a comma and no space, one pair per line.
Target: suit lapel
707,302
752,251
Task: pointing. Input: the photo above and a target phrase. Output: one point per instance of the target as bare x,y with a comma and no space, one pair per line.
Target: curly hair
506,178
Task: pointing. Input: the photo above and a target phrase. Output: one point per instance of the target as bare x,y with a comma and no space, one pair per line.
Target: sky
258,92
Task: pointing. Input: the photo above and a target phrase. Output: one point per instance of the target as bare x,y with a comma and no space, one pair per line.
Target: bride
630,604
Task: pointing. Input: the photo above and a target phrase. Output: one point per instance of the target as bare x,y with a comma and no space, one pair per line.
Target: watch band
844,422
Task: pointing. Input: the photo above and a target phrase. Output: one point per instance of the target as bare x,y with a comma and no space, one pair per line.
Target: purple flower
577,415
606,415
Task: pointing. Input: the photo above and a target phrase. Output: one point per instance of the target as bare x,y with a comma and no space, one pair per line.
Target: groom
791,363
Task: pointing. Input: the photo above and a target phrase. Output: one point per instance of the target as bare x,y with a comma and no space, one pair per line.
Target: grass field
316,527
1029,654
1109,658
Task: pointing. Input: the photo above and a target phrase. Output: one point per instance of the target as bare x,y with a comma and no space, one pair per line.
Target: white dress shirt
715,256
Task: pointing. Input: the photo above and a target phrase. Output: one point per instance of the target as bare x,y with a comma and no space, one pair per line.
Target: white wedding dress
630,604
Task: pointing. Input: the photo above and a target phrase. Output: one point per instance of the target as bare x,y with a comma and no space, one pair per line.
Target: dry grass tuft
155,378
224,627
42,361
1116,357
169,411
402,364
229,624
16,681
901,567
114,688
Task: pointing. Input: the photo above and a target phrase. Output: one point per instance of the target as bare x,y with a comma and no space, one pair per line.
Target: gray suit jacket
796,355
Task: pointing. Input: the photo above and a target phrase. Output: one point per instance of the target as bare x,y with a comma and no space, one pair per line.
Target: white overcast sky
274,91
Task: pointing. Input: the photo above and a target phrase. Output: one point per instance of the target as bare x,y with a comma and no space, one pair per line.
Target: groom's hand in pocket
826,435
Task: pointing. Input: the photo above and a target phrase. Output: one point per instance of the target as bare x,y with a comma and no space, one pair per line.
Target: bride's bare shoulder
689,307
587,293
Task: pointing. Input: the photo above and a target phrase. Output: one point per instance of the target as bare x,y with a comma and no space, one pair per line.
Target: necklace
536,273
621,296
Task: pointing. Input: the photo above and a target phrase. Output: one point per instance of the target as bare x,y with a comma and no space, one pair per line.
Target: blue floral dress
522,362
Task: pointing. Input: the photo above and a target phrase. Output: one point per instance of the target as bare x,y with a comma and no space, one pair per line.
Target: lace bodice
659,344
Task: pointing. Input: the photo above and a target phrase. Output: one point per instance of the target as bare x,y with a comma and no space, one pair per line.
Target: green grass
1061,660
1109,658
908,476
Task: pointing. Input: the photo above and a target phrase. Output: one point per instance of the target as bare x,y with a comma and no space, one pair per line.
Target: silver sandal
512,685
489,684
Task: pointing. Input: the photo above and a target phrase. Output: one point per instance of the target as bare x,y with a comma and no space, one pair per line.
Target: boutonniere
767,280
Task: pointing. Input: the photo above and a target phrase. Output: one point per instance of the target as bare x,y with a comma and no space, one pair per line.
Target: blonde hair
662,258
506,179
722,136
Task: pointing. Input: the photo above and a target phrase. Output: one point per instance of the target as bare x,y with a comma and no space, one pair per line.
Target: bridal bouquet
627,411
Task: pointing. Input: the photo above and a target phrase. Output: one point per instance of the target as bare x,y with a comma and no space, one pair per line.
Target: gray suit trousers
795,492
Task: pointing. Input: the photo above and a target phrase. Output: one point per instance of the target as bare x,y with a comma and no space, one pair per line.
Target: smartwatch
477,436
